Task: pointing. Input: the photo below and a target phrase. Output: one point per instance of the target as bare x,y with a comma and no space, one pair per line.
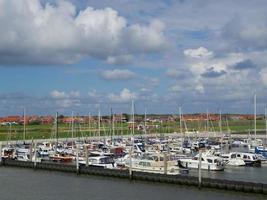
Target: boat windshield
145,164
106,160
209,160
233,156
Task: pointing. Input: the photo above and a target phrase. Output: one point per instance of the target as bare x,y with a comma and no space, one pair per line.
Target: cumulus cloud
246,36
200,52
125,96
32,33
61,94
263,75
118,74
119,60
65,100
58,95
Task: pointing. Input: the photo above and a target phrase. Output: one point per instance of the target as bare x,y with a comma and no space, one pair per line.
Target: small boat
99,161
232,160
151,166
153,163
208,162
249,158
61,158
261,154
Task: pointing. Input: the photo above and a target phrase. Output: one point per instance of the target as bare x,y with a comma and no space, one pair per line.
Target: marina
133,100
200,162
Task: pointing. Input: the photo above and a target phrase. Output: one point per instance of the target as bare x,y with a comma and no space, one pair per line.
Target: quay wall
223,184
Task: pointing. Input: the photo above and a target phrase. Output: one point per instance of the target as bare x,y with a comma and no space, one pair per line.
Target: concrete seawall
240,186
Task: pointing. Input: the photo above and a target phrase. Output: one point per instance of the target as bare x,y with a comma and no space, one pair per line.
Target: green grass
64,130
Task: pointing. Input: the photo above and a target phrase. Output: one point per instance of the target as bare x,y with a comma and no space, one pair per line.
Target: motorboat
249,158
99,161
231,159
153,163
61,158
208,162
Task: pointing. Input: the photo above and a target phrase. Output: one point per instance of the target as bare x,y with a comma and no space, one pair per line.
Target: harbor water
18,183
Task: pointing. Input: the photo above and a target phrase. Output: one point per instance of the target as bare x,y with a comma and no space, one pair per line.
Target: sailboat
255,142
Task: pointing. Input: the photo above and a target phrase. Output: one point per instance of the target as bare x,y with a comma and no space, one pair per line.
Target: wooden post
35,155
199,168
86,157
31,148
165,163
77,159
130,164
0,153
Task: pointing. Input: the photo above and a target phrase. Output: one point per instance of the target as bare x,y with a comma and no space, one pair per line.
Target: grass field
15,132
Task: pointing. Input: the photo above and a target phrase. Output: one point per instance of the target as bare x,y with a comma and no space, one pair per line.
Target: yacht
209,162
249,158
100,161
153,163
231,159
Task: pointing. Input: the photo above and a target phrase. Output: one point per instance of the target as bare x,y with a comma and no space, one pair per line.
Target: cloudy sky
79,55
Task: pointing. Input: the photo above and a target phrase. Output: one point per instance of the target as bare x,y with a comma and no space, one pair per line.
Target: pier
221,184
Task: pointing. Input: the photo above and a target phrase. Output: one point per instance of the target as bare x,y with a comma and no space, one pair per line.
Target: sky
85,55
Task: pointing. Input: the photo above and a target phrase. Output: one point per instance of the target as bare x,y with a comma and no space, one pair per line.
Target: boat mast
207,122
89,124
255,116
133,120
99,123
113,128
145,123
24,124
220,122
180,120
56,129
72,129
265,114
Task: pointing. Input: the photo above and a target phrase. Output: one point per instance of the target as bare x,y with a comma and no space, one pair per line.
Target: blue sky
78,55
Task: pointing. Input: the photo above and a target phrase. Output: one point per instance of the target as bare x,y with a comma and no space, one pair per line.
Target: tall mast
145,123
207,121
72,129
113,128
24,124
265,114
89,124
180,119
255,115
56,129
220,122
133,118
99,123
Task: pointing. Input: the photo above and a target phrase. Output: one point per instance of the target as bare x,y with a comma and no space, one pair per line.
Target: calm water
42,185
250,174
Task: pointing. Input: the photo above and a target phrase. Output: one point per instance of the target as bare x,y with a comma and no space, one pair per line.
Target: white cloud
58,95
65,100
200,52
263,75
125,96
119,60
33,33
93,93
117,74
75,94
173,73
